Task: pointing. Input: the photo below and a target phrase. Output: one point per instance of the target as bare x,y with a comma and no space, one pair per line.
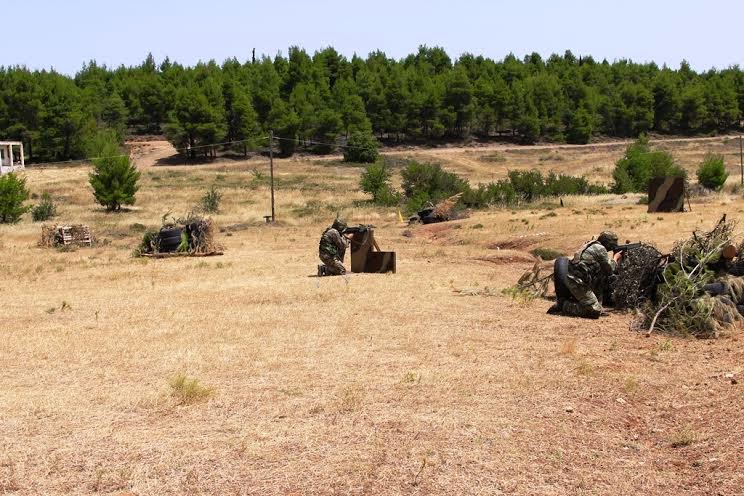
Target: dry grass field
429,381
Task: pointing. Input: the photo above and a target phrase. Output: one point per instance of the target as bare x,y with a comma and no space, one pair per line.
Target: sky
64,34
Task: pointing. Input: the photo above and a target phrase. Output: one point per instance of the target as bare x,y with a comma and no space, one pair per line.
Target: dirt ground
429,381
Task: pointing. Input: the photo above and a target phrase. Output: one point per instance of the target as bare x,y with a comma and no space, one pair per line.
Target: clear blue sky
65,33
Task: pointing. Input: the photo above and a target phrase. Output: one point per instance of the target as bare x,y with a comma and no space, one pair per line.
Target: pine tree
114,178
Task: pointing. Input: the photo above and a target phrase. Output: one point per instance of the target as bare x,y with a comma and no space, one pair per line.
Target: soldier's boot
556,309
576,309
322,271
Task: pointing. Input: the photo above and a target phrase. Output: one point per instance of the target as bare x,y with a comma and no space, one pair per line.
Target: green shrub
187,391
712,172
149,244
46,209
429,183
375,180
362,148
13,193
640,164
527,184
114,178
500,193
210,202
183,246
531,185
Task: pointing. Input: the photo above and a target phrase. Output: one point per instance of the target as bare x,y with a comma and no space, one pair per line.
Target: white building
11,156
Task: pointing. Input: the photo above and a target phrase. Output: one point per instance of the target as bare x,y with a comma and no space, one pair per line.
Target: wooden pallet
79,235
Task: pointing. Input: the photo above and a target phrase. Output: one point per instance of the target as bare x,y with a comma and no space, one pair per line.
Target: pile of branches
535,282
681,304
201,236
445,209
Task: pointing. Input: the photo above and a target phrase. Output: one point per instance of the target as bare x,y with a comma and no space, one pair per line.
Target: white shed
11,156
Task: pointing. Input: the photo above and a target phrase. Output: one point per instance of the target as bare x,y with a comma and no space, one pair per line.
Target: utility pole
741,160
271,171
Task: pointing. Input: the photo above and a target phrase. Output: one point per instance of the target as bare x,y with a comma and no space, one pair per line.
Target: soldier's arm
609,266
338,240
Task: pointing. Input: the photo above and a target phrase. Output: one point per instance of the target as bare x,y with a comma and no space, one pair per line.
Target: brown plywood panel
666,194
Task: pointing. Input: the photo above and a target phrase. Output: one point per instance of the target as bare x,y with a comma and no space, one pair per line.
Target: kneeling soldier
332,250
587,277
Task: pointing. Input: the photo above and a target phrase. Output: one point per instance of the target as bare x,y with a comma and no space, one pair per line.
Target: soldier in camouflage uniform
332,249
587,277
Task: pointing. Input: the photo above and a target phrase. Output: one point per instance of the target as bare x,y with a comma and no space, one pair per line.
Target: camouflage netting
636,277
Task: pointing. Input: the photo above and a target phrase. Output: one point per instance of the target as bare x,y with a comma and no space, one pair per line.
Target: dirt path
525,148
146,154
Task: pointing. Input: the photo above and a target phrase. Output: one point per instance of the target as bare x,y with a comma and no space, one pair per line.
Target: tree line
320,100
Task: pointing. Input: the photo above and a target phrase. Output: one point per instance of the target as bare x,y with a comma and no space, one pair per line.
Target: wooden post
741,161
271,172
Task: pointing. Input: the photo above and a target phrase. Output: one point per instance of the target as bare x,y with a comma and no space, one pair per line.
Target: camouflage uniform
587,277
332,250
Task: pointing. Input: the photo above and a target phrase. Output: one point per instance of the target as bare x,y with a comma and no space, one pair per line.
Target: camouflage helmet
608,239
339,225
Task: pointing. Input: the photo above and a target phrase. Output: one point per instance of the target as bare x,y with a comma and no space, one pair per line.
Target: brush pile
536,281
441,212
683,302
189,236
445,209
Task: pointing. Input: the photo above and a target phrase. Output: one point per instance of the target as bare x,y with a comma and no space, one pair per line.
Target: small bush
519,295
425,183
188,391
149,244
712,172
500,193
210,202
640,164
46,209
361,148
683,437
375,180
13,193
528,186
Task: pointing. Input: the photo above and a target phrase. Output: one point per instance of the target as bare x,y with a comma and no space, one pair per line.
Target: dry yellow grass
366,384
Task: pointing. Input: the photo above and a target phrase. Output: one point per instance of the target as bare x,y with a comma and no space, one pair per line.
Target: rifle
626,247
361,228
